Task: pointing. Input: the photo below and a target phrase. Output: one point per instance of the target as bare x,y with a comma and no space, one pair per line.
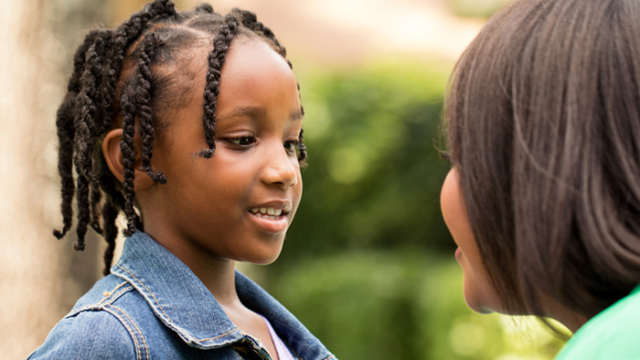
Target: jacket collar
182,302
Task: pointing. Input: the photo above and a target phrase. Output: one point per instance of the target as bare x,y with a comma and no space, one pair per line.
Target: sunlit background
368,264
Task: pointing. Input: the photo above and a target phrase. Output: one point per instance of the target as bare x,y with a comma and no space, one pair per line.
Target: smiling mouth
271,213
271,220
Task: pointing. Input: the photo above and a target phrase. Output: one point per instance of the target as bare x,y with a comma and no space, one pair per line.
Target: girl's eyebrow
256,112
251,111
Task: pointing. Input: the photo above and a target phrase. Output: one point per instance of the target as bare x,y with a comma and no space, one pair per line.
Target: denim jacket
153,307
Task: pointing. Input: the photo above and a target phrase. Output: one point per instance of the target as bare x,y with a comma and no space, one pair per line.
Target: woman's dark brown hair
132,75
543,118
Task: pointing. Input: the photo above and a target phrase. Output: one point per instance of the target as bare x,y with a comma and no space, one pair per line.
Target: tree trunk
40,278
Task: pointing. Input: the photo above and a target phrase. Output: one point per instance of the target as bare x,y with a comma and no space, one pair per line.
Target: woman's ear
113,155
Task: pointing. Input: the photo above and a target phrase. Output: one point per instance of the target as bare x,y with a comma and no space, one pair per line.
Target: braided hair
115,82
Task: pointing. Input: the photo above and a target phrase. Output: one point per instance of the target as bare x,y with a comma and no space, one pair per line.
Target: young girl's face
238,204
478,291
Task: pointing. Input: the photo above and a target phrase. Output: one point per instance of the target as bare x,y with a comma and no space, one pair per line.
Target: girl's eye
243,141
290,146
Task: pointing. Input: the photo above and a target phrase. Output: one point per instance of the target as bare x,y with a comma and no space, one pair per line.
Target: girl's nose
280,168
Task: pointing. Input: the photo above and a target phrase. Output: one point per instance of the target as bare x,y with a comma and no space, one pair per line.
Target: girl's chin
263,256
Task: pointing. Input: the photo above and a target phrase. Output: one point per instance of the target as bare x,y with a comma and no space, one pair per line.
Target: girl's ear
113,155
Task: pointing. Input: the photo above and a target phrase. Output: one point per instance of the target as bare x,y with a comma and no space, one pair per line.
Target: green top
613,334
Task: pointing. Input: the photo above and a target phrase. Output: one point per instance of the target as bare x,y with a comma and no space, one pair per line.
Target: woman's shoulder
612,334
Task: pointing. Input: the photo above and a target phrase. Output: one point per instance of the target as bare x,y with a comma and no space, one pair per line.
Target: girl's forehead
253,74
254,57
246,59
252,70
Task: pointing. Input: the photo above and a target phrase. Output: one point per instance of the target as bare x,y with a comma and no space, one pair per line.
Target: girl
543,199
190,124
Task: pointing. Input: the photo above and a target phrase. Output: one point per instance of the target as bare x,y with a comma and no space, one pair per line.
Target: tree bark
40,278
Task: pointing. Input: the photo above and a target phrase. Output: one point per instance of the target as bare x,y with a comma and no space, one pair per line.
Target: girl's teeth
268,217
267,212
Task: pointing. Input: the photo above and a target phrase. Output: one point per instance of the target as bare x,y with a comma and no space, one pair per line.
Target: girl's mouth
269,213
272,220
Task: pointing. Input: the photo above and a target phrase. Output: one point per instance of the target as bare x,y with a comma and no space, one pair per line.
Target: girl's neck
219,277
216,273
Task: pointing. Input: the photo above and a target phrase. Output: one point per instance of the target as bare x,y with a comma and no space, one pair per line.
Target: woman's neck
571,320
567,317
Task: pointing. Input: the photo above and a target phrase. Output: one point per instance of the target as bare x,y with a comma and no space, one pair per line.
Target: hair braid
114,203
86,130
98,72
302,154
221,43
123,38
128,158
250,21
259,28
66,135
96,198
131,29
109,215
108,185
143,104
109,79
82,196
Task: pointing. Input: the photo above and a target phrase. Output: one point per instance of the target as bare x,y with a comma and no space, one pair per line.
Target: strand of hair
66,135
143,104
216,59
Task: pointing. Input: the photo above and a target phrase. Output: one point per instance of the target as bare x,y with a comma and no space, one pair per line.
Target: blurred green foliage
374,173
477,8
401,305
368,263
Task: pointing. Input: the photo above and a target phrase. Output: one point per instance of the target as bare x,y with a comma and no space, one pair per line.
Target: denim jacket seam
219,336
129,330
99,305
114,297
144,342
112,293
329,357
150,292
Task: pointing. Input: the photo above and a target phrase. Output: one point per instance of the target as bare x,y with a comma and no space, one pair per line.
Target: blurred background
368,264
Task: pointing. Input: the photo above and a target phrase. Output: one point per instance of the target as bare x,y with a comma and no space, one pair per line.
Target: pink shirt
281,348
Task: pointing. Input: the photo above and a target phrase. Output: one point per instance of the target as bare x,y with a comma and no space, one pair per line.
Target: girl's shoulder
612,334
153,306
98,327
88,335
115,321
